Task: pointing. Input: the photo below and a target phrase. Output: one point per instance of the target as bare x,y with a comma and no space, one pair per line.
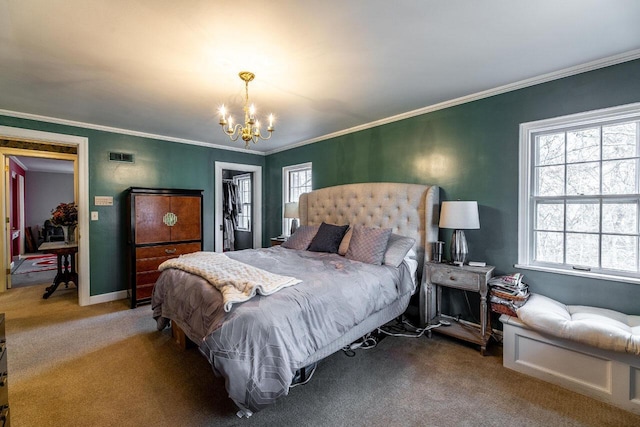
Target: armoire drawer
167,250
147,278
150,264
144,291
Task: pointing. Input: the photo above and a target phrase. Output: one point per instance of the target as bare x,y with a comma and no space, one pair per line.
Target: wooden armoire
163,223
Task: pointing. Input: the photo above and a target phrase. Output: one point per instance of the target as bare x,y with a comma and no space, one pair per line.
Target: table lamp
291,211
459,215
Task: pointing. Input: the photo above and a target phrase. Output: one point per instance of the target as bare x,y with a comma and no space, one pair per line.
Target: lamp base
459,248
294,225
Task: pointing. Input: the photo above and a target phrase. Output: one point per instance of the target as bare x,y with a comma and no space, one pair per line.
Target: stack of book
508,293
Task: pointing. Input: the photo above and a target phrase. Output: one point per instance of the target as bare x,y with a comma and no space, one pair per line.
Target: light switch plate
94,215
103,201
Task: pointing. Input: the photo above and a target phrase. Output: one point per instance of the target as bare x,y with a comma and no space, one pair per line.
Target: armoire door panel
149,210
187,210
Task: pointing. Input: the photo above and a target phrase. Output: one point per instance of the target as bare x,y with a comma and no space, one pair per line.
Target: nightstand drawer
455,278
277,241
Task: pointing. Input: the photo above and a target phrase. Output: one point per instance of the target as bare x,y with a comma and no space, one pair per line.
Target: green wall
157,164
471,152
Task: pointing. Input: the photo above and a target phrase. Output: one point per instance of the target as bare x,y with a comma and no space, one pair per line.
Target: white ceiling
164,67
38,164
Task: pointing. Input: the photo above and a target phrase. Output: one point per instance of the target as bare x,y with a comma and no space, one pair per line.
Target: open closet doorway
238,206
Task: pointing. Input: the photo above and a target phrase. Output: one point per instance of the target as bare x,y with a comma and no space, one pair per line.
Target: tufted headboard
408,209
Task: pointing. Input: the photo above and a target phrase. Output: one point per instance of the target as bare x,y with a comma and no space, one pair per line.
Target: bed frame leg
180,337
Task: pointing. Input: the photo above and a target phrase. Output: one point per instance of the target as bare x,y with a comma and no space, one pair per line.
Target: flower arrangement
65,214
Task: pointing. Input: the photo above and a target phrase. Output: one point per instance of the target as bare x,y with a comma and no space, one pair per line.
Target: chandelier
251,129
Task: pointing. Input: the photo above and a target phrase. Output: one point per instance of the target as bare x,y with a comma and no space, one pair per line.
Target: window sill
578,273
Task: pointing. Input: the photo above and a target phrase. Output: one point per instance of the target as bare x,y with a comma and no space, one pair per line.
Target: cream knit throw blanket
236,281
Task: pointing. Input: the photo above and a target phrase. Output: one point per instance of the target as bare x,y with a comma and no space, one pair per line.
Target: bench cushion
598,327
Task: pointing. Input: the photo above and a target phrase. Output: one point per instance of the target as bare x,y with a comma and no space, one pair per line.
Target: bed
259,346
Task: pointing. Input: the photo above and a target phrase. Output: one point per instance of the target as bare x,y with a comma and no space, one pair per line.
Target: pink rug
33,264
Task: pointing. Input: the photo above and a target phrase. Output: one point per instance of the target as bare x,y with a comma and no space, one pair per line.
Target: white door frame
82,175
257,201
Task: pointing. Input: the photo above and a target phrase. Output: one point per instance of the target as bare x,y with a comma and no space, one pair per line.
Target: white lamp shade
459,215
291,210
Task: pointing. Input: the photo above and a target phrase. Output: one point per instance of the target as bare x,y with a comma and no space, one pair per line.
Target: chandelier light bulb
223,113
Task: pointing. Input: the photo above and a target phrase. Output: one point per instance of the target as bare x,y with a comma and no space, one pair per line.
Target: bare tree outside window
585,197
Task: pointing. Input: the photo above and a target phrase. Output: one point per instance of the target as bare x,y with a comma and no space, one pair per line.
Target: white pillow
397,247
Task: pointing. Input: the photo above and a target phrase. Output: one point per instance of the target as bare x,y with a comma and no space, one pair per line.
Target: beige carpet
106,365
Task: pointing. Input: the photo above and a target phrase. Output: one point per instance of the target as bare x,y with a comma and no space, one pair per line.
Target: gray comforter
260,344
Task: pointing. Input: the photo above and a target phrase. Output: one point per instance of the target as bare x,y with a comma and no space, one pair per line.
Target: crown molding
102,128
17,160
544,78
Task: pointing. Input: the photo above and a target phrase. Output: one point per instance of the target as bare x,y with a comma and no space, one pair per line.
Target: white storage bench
592,351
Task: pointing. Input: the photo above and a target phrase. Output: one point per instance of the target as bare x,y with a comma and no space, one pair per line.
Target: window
244,193
580,194
296,180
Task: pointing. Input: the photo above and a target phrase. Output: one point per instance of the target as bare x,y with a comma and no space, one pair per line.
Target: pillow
301,239
344,245
328,238
397,248
368,244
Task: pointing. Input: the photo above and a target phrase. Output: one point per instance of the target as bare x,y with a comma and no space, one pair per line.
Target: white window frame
286,170
526,182
247,207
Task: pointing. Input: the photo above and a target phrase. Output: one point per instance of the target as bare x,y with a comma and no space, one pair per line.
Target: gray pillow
328,238
368,244
397,248
301,239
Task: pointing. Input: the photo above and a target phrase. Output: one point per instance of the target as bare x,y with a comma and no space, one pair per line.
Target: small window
580,194
296,180
244,192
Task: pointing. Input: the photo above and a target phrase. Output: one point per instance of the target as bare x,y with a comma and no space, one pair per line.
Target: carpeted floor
107,365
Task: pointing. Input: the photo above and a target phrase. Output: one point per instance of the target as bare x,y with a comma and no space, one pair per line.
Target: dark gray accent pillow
328,238
301,239
368,244
397,249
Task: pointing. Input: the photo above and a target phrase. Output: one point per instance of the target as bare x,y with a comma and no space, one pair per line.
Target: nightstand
277,241
473,279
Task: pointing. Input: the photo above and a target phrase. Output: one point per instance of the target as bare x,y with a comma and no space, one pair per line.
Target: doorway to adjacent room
37,186
48,145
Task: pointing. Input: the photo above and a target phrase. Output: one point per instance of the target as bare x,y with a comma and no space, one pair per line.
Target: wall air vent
121,157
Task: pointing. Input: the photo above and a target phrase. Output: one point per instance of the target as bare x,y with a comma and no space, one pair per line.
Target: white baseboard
112,296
